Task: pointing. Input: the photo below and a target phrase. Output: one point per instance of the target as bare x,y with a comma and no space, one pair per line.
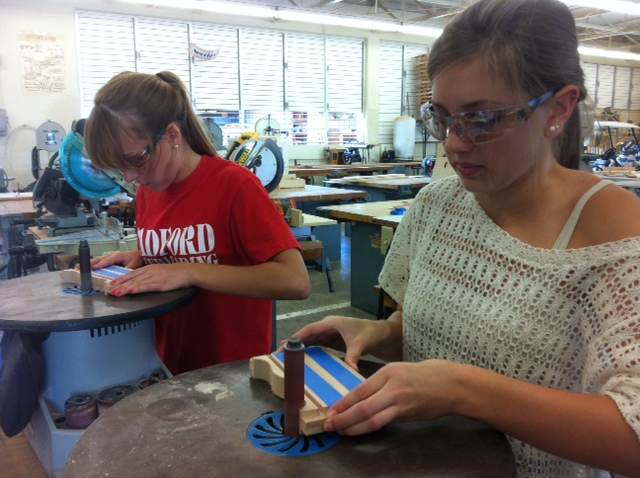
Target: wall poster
42,63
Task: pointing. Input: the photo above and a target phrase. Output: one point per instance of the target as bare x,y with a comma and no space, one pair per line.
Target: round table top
195,425
37,303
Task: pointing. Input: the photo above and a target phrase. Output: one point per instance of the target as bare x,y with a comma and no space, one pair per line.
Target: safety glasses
479,127
138,160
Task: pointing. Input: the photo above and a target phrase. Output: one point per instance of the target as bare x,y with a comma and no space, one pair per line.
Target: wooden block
291,182
297,218
326,380
100,278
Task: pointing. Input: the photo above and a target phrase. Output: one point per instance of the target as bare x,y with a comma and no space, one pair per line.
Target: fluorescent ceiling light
599,52
617,6
228,8
241,9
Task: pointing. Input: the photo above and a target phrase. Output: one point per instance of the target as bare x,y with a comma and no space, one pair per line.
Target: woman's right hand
359,335
129,259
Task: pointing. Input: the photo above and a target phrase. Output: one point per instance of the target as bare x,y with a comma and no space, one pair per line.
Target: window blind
216,82
304,72
261,70
344,74
163,45
390,73
105,48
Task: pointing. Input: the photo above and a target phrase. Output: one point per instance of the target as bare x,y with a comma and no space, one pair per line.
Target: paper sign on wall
42,63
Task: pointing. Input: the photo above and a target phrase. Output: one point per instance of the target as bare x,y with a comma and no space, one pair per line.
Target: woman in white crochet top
519,278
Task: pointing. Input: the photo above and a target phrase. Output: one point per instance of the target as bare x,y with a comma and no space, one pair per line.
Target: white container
404,137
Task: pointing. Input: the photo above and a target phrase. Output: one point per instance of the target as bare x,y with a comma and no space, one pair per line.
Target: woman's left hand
153,278
398,391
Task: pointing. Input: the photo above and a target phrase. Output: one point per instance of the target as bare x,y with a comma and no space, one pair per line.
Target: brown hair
145,105
531,44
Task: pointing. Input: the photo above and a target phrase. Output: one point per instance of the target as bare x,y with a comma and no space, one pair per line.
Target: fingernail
131,291
117,293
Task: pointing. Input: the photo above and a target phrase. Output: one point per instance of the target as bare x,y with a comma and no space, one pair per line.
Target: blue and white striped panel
329,364
111,272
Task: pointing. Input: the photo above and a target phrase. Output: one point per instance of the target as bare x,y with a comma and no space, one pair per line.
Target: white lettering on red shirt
179,244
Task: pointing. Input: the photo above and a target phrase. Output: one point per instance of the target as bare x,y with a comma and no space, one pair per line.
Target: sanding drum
293,385
80,411
110,396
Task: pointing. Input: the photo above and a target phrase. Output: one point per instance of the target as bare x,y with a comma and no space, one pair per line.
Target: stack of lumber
423,83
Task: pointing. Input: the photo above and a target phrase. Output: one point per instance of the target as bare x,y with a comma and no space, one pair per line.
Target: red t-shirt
220,214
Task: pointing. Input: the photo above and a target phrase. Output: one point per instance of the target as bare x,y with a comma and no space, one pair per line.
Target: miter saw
70,189
260,155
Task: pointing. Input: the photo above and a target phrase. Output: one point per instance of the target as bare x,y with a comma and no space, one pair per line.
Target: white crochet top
565,319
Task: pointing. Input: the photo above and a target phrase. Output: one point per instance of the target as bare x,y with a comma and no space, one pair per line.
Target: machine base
86,361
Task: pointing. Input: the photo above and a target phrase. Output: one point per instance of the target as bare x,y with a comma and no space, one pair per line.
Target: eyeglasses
138,160
479,127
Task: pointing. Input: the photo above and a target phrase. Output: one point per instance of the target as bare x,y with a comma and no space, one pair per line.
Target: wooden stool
312,251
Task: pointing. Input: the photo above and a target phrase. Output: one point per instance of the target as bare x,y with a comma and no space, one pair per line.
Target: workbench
195,425
354,168
12,204
94,342
310,197
383,187
312,193
372,228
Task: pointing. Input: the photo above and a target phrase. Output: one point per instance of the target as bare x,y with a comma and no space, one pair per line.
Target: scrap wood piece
100,278
326,377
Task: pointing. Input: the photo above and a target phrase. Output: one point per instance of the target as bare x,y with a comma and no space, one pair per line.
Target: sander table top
196,425
38,303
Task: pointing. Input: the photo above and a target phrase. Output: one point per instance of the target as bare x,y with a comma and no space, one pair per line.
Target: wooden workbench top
324,169
15,196
378,212
318,193
383,181
12,206
311,220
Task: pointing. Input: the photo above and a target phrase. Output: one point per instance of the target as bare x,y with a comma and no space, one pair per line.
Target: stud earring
176,146
554,127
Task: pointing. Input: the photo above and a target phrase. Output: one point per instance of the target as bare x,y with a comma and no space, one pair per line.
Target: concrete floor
295,314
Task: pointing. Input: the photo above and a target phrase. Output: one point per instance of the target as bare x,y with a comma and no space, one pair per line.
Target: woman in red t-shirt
201,221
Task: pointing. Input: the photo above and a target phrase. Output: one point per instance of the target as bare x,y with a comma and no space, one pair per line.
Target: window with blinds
621,87
310,86
390,74
163,45
604,88
635,90
397,83
106,47
216,82
344,90
305,86
590,71
613,86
